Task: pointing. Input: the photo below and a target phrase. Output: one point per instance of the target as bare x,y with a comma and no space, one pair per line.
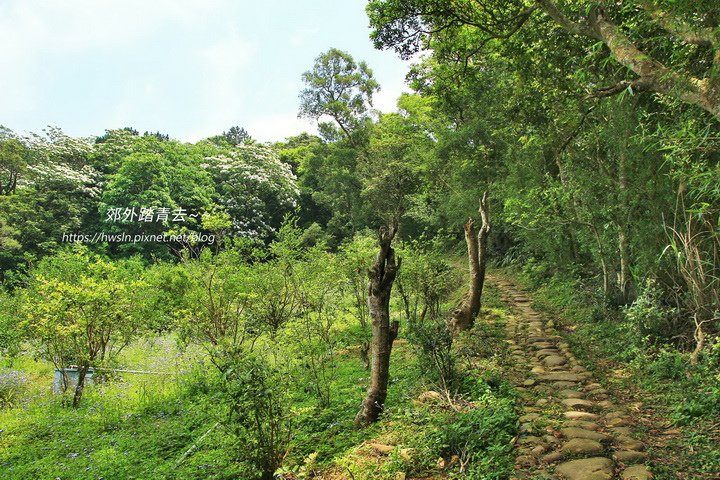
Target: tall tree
13,161
237,136
340,88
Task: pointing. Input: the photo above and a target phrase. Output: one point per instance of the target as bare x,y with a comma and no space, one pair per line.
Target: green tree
82,309
665,64
339,88
13,162
237,136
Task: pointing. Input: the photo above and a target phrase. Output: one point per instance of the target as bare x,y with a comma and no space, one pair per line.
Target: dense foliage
594,127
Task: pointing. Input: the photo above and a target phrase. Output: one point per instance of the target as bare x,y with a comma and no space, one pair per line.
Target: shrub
649,316
480,437
12,383
257,396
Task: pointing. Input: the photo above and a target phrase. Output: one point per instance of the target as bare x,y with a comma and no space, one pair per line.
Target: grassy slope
138,426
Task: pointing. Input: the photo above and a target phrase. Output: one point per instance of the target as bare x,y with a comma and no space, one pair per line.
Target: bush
433,343
668,365
258,403
480,437
12,383
705,403
10,333
649,316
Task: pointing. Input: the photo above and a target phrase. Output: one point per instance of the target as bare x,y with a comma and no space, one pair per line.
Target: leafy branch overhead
627,31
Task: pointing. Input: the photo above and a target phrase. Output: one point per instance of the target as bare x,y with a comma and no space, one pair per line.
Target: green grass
138,426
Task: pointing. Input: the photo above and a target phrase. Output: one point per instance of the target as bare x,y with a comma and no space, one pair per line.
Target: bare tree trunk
699,341
483,235
625,280
381,277
82,373
603,263
463,317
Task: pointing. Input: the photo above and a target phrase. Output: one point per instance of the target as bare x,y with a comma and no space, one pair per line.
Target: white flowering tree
256,188
54,191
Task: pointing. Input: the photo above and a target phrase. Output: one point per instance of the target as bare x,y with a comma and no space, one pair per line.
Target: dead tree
463,317
381,277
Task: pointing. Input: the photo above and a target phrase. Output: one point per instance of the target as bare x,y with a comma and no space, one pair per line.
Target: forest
515,275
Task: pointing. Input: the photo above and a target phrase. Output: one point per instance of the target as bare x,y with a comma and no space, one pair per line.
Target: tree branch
653,75
679,28
576,28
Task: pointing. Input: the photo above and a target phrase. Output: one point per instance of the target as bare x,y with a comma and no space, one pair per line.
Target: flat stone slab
574,415
531,440
582,424
547,351
582,446
565,385
578,403
552,457
637,472
616,415
562,377
596,468
570,394
627,456
628,443
526,461
574,432
617,422
529,417
554,360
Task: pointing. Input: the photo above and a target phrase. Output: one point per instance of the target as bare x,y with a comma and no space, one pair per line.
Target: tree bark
463,317
381,277
82,373
625,280
603,263
483,235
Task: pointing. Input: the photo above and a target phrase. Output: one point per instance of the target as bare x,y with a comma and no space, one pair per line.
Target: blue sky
188,68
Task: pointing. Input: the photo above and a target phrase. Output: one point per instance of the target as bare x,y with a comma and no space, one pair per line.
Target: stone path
570,428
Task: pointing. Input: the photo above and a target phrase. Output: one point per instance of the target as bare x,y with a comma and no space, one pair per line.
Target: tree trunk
82,372
699,341
625,280
603,263
381,277
463,317
483,235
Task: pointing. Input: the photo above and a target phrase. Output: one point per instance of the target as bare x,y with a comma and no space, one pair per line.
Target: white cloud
302,35
279,126
223,66
386,99
34,33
